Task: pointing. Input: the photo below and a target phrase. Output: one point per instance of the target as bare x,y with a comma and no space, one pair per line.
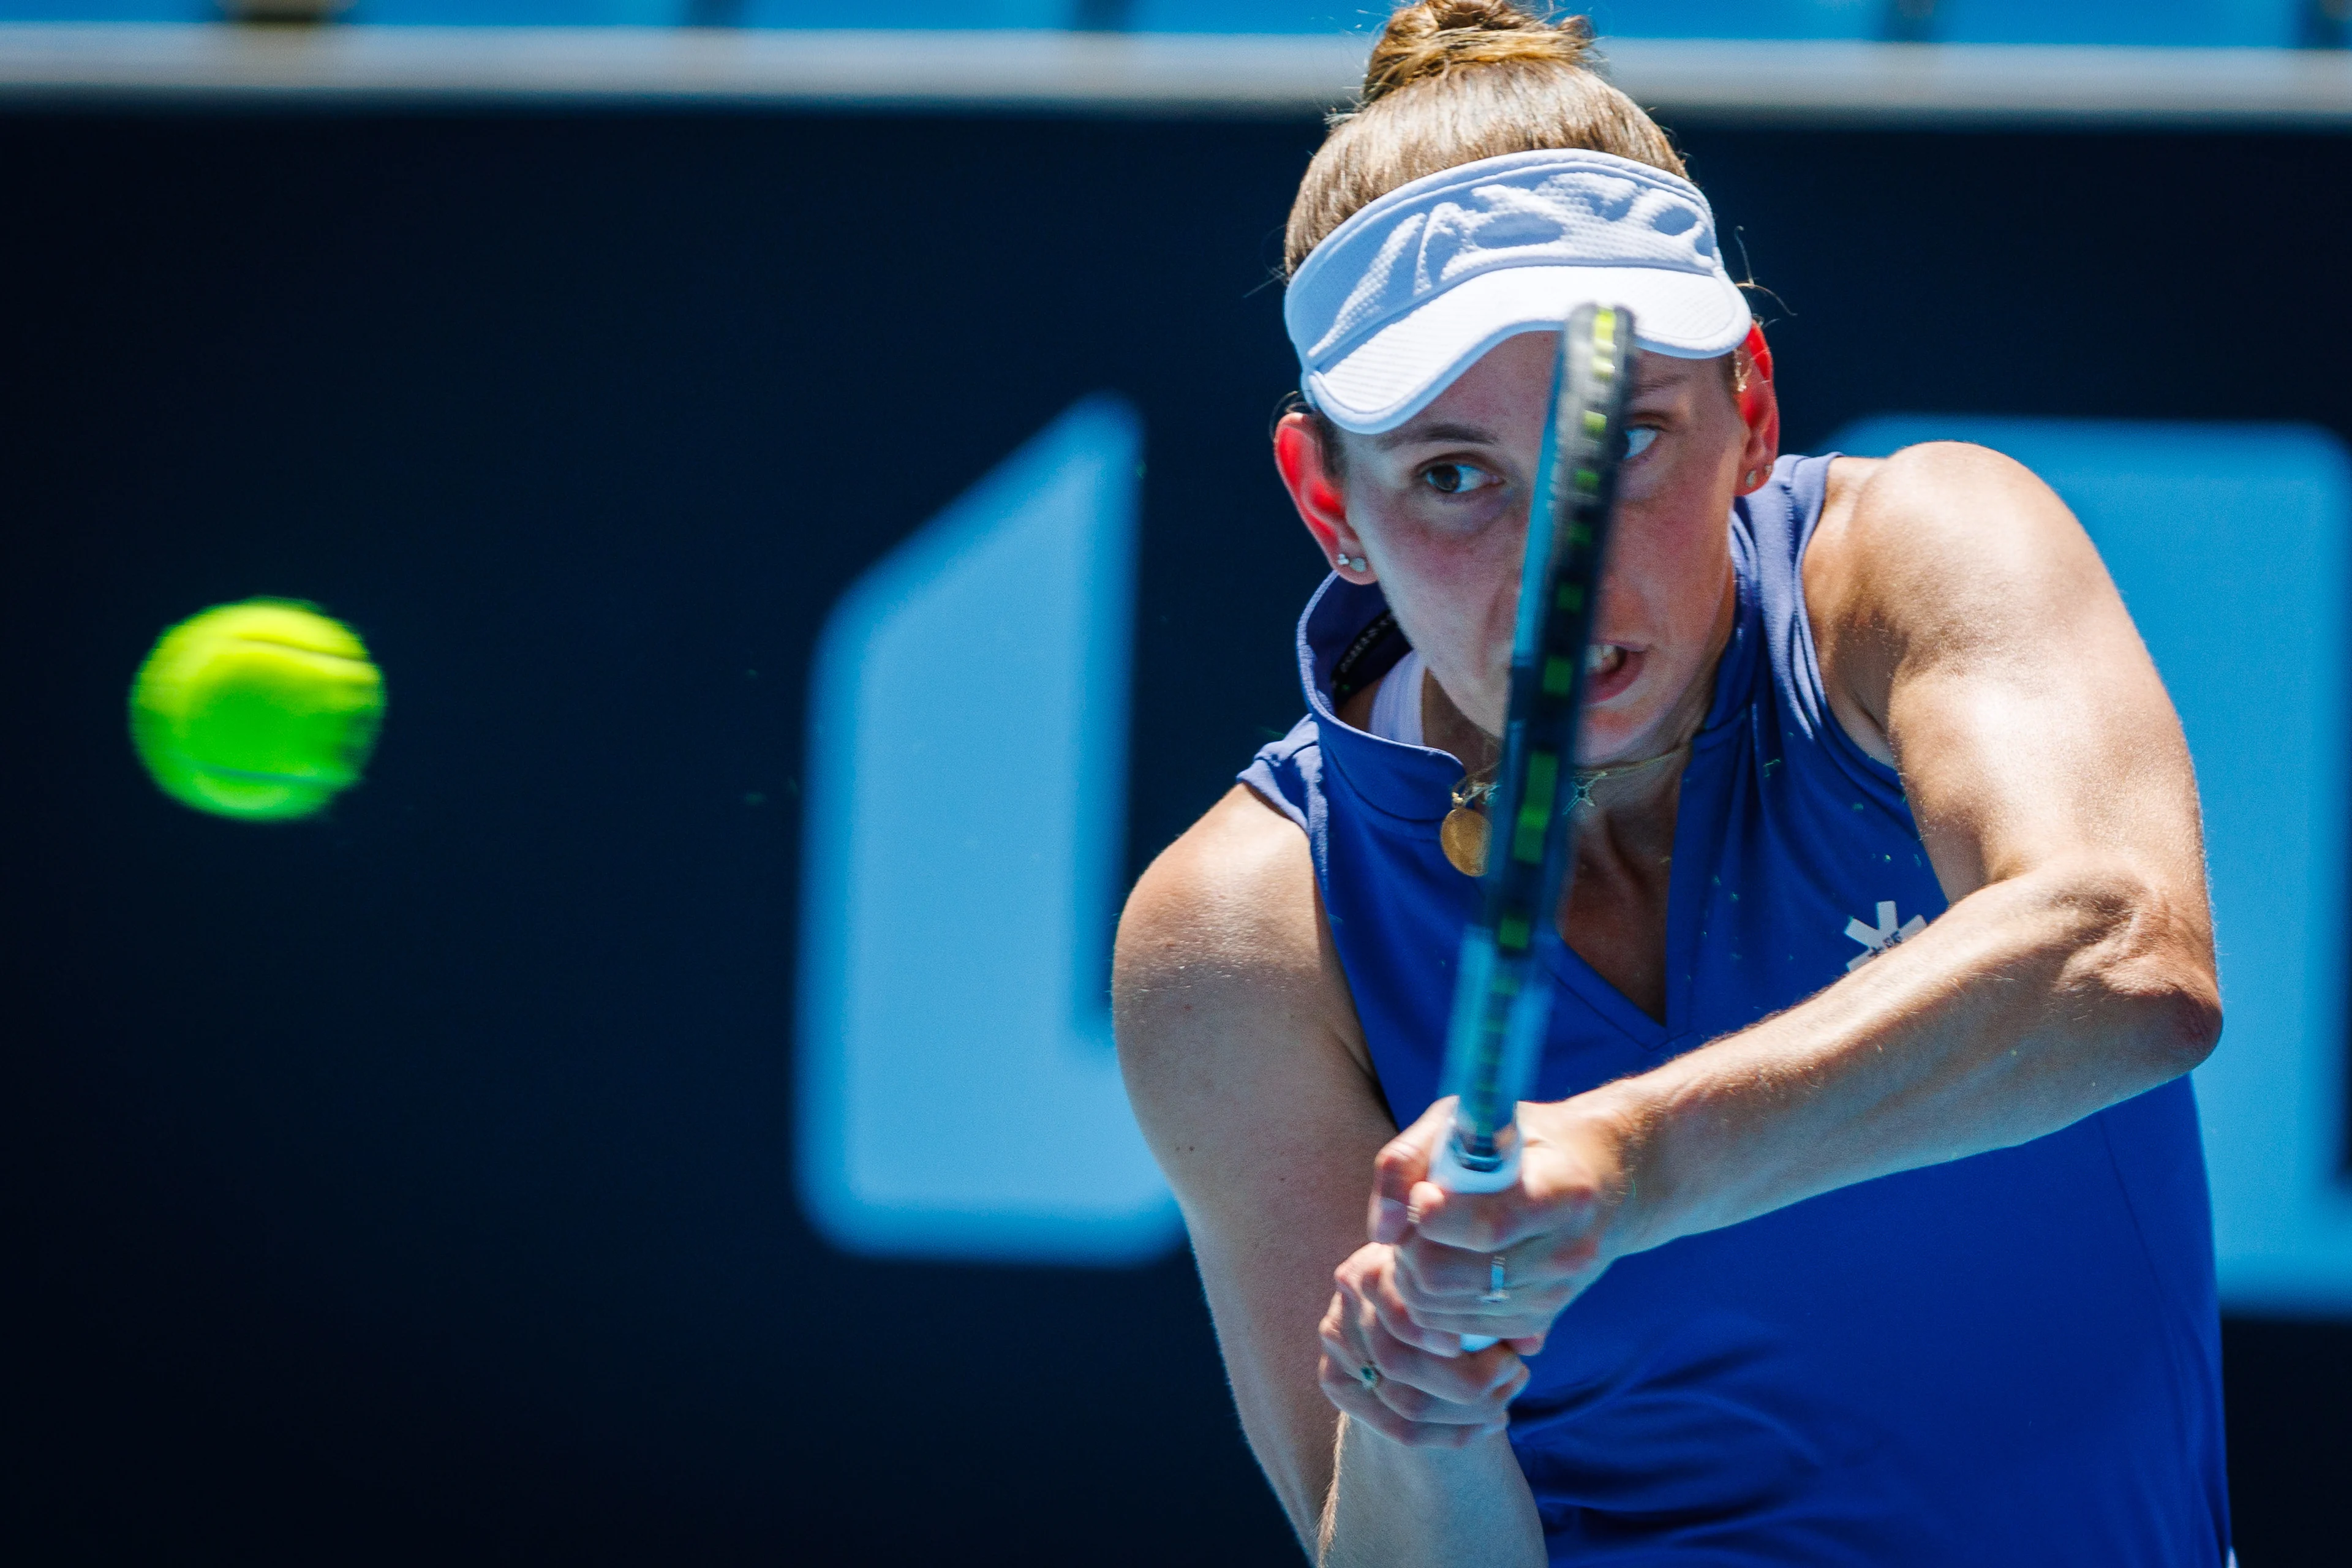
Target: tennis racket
1502,999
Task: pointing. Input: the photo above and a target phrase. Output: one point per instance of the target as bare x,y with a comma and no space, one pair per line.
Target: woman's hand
1412,1385
1504,1264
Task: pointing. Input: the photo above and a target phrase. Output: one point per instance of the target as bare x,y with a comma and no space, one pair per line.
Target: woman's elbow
2150,948
2181,1022
2170,996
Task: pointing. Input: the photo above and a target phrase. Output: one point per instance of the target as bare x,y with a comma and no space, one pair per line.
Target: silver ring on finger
1497,1291
1369,1375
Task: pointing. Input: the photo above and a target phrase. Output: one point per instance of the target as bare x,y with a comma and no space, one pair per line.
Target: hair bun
1426,41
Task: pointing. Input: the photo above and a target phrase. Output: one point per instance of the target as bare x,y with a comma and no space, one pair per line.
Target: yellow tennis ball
264,711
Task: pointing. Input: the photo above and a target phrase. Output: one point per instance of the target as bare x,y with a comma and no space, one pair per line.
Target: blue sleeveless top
2009,1359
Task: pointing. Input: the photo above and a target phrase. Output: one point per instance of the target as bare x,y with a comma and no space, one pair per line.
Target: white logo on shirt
1885,935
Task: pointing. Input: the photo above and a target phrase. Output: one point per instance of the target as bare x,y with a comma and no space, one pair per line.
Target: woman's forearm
1396,1507
2032,1003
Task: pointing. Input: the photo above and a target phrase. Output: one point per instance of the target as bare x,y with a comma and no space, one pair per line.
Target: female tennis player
1861,1217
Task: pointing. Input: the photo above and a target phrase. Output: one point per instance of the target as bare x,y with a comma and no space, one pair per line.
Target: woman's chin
1611,737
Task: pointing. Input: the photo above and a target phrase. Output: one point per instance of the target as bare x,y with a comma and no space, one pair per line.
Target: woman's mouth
1609,669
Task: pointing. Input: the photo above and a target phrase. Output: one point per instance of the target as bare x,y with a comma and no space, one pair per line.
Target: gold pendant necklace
1463,833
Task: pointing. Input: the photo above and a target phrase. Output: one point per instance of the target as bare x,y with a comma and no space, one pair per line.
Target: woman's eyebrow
1413,434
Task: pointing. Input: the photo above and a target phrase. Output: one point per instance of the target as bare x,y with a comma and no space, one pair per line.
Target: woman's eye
1456,479
1638,439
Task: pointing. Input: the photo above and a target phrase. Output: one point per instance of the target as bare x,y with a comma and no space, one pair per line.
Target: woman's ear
1312,479
1759,411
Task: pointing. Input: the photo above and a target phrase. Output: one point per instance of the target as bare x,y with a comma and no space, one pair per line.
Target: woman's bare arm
1247,1069
1970,633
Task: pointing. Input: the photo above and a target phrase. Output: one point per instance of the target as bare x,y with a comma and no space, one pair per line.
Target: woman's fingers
1397,1409
1371,1277
1434,1273
1513,1305
1402,1165
1529,1321
1455,1388
1402,1390
1489,1222
1570,1176
1435,1323
1440,1276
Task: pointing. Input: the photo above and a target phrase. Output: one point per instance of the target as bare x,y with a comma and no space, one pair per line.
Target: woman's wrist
1619,1131
1401,1502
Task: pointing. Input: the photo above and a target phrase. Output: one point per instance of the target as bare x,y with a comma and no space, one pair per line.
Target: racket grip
1448,1172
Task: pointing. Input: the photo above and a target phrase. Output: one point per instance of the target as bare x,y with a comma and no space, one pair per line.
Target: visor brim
1396,372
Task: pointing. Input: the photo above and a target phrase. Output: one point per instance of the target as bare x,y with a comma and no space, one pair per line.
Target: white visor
1406,294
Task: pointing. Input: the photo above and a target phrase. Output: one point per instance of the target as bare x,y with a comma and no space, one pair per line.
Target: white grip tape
1448,1172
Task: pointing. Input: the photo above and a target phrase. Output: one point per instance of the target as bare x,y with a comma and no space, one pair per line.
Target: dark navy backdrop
417,1183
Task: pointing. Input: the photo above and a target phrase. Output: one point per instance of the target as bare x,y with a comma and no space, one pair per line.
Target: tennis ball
264,711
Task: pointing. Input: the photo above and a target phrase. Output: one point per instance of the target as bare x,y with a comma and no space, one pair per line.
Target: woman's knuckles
1436,1269
1407,1401
1399,1166
1406,1339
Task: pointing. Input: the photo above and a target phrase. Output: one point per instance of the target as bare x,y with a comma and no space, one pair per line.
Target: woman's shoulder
1866,498
1941,546
1232,901
1912,508
1223,942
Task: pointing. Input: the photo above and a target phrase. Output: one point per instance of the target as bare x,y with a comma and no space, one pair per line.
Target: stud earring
1354,563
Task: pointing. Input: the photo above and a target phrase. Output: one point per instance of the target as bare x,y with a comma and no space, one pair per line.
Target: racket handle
1448,1172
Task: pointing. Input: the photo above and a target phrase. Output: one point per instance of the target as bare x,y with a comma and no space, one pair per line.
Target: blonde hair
1453,81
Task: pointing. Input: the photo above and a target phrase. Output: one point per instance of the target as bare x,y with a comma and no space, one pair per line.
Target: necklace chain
1474,792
